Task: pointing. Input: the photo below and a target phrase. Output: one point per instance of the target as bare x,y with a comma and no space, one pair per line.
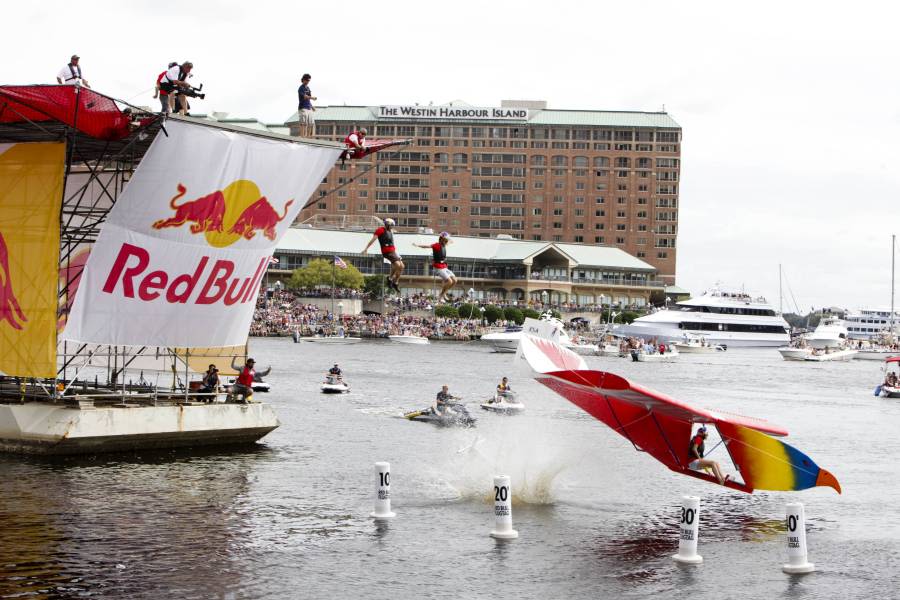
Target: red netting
87,111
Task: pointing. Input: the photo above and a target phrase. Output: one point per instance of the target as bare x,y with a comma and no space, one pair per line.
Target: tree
511,313
319,272
629,316
658,297
530,313
446,311
374,285
468,311
493,313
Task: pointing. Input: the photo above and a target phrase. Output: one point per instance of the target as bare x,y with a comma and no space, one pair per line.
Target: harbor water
289,517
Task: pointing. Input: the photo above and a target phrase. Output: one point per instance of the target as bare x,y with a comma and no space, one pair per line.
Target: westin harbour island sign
452,112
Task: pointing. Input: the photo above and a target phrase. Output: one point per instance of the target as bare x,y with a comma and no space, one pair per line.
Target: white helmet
389,222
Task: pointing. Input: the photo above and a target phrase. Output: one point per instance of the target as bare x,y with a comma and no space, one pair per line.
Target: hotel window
537,198
441,158
579,212
622,163
363,194
442,209
454,196
601,146
441,132
557,238
641,254
579,239
536,211
444,195
624,136
558,199
642,214
538,160
580,161
559,160
455,183
579,185
456,210
662,255
536,225
557,212
620,214
342,206
538,145
557,225
620,227
667,136
642,201
342,194
559,185
621,173
579,225
321,206
621,200
579,199
478,143
642,227
361,206
599,200
536,237
387,130
622,187
444,183
620,240
559,172
600,186
599,226
642,241
599,239
538,185
460,132
599,213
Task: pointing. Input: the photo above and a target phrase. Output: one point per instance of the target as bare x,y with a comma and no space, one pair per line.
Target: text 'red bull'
219,284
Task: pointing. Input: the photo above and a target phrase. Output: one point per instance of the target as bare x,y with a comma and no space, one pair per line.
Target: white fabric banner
182,254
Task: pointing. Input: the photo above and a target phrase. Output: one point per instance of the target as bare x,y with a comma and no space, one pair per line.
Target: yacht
871,323
729,318
508,340
830,333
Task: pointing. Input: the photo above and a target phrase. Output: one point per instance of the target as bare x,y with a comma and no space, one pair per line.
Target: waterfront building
585,177
496,269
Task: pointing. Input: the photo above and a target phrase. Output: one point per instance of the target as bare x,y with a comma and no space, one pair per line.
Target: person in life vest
503,390
356,142
695,456
243,387
439,263
160,93
71,73
335,371
385,237
210,383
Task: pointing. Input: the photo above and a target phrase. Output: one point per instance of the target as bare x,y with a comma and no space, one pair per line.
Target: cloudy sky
790,110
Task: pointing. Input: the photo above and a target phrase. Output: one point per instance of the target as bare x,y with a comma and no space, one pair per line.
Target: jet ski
503,403
454,415
258,384
334,385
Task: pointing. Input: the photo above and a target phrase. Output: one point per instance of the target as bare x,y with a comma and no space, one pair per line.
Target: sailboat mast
893,256
780,293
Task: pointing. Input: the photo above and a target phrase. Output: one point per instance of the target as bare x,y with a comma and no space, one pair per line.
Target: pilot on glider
699,463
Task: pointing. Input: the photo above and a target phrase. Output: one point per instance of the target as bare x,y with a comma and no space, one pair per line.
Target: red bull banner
31,180
182,255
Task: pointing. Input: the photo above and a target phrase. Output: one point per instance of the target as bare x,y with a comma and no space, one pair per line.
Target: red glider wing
371,147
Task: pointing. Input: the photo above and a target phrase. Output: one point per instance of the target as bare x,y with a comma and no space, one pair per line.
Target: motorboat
795,352
504,403
641,355
609,350
508,339
891,386
875,353
830,333
729,318
584,349
696,344
408,339
831,354
454,415
334,385
327,339
258,385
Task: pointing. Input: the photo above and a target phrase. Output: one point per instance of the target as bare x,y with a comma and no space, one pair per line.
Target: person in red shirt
695,456
243,387
385,237
439,263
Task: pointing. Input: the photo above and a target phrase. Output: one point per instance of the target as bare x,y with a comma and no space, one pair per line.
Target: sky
790,110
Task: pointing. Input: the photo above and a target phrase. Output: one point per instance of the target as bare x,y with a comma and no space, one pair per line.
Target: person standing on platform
71,73
307,119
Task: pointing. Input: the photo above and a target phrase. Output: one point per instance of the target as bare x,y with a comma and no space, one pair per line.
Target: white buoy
689,529
503,529
795,520
382,492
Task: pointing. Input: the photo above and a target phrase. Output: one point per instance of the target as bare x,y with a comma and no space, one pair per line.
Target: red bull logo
10,311
226,216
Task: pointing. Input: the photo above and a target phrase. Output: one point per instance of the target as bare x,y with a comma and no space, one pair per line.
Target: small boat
829,354
643,356
258,385
583,349
875,353
794,352
508,339
328,339
609,350
503,403
408,339
334,385
696,344
455,415
891,386
830,333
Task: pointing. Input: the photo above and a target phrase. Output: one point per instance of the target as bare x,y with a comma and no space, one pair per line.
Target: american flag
273,260
340,264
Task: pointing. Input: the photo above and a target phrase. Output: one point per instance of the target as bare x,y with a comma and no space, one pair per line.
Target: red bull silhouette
205,213
10,311
260,215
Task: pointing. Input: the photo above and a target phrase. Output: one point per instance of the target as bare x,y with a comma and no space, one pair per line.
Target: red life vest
359,139
385,239
246,376
697,441
439,256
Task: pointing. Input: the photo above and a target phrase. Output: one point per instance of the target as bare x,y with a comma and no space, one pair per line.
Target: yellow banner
31,180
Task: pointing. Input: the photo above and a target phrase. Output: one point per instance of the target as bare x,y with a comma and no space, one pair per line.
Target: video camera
192,92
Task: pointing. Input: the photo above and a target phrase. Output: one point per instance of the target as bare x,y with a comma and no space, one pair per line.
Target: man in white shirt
71,74
176,77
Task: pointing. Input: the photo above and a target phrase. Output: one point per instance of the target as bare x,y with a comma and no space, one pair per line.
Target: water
596,518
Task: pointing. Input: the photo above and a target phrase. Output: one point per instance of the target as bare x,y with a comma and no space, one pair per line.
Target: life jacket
75,71
439,256
697,440
385,239
246,377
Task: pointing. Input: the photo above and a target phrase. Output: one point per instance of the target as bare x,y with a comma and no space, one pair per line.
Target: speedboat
875,353
258,385
830,333
454,415
795,352
831,354
334,385
583,349
504,403
696,344
408,339
328,339
508,339
609,350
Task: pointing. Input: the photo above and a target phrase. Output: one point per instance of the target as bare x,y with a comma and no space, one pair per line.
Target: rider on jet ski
335,372
443,400
503,390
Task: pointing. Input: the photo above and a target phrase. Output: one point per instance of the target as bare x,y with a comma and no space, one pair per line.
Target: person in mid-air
695,455
439,263
385,237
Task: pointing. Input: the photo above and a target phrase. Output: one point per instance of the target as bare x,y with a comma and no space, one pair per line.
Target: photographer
175,79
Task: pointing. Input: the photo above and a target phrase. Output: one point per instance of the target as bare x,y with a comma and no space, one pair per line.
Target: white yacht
732,319
508,340
830,333
871,323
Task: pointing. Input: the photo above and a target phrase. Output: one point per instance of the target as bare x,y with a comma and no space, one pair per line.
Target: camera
193,92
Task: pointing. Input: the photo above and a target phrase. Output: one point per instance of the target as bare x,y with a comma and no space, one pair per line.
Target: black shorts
392,256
